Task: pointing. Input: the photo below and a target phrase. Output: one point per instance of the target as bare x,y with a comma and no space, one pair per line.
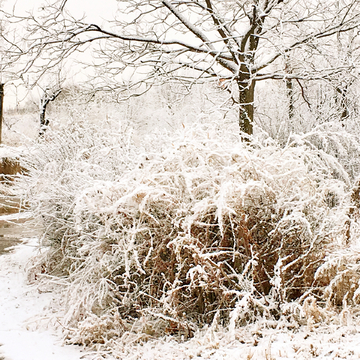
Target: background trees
235,43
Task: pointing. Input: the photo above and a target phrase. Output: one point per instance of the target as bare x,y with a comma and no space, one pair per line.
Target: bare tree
47,96
238,41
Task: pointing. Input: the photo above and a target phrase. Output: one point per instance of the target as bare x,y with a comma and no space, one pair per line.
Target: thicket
192,229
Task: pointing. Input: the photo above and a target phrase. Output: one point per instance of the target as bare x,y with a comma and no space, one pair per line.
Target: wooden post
1,108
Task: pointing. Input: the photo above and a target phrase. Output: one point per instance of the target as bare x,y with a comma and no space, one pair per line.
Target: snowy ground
23,311
25,333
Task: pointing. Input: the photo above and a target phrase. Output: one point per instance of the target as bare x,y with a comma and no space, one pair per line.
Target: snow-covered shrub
334,142
340,271
163,242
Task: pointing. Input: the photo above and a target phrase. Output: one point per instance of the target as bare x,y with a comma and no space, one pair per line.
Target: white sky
94,10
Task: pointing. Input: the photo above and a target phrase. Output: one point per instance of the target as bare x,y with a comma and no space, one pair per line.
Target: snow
10,151
22,311
16,216
26,333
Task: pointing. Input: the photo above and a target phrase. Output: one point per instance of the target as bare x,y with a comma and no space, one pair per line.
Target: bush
162,242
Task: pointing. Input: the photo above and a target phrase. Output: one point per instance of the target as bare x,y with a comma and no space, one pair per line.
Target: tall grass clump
202,229
333,141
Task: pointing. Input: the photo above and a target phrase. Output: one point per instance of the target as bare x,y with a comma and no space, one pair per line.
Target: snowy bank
24,313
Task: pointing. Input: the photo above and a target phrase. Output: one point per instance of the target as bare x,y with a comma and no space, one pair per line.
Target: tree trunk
44,101
289,88
290,95
342,101
1,108
246,111
43,122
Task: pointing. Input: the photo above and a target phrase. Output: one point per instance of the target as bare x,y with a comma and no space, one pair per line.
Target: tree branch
197,32
322,34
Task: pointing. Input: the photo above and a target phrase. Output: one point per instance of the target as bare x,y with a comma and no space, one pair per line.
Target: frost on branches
197,230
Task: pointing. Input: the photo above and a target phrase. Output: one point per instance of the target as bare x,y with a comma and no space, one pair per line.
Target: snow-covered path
21,336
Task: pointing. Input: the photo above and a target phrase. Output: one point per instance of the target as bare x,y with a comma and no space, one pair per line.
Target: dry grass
206,232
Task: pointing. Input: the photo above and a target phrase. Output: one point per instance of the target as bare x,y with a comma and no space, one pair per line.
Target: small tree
48,95
240,42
